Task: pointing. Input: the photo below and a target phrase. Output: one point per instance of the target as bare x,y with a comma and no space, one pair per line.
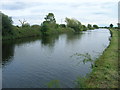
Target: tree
84,28
24,23
95,26
111,25
62,25
6,25
50,18
89,26
49,24
74,24
118,25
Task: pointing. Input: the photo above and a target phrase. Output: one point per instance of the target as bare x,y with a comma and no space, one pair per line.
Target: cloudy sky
100,12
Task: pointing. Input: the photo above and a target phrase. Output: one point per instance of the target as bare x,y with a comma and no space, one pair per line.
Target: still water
33,62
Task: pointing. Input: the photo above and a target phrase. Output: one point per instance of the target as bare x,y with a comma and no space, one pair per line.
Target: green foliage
6,25
20,32
85,58
80,82
26,25
49,24
95,26
89,26
84,28
62,25
48,27
53,84
111,25
105,71
38,27
73,23
50,18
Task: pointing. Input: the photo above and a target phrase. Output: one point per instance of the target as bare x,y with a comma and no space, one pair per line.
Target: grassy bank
105,70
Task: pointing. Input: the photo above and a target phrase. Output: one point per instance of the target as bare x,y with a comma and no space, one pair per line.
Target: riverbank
22,32
26,32
105,70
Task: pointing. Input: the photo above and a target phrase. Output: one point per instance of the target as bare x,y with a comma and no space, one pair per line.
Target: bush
6,25
95,26
73,23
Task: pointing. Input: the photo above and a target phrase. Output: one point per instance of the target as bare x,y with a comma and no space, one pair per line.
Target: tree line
47,27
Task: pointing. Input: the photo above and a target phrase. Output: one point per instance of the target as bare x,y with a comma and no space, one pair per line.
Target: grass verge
105,70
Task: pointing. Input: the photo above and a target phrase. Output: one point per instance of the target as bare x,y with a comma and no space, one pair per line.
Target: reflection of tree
72,37
49,40
48,43
9,46
7,52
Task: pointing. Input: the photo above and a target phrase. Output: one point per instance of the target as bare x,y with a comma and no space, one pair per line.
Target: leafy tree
50,18
62,25
84,28
44,27
35,26
111,25
89,26
95,26
6,25
49,24
74,24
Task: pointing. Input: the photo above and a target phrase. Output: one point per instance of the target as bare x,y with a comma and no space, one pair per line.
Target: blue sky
100,12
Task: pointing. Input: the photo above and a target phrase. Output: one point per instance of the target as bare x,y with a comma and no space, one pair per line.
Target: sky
100,12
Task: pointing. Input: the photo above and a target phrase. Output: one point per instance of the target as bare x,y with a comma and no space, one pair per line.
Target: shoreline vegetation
105,70
47,27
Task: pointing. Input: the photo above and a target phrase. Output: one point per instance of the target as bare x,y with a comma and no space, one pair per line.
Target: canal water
34,62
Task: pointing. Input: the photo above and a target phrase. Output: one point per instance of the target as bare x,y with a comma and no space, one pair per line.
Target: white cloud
101,12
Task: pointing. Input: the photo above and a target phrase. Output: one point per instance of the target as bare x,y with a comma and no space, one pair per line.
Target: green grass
105,70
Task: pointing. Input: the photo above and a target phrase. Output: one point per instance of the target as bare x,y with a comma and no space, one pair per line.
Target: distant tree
34,27
89,26
74,24
95,26
62,25
111,25
105,27
118,25
44,27
24,23
50,18
6,25
49,24
84,28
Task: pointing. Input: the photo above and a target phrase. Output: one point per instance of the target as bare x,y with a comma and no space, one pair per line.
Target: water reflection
7,52
49,40
73,37
8,48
